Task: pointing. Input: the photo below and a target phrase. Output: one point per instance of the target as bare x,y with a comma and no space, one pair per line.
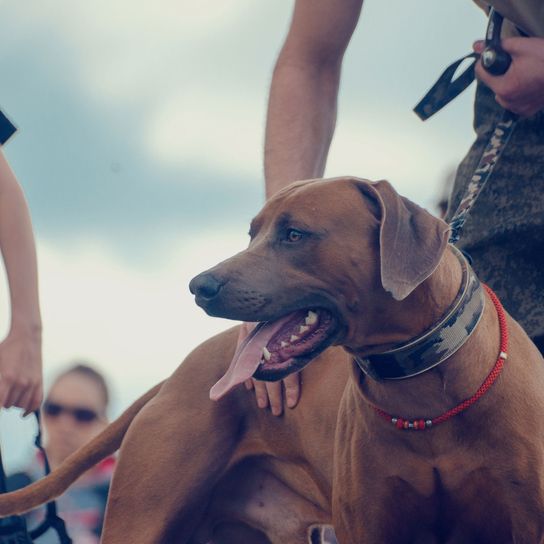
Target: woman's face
73,413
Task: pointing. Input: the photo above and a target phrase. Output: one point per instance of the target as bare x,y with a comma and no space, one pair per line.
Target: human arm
300,123
303,94
521,88
20,351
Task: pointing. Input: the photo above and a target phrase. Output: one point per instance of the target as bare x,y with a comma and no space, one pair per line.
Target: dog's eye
294,235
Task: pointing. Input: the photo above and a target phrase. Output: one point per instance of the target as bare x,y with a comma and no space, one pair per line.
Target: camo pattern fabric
504,231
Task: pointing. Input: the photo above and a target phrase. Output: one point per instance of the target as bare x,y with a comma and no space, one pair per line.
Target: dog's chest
393,482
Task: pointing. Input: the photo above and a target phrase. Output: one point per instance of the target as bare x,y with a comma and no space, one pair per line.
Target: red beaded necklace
423,424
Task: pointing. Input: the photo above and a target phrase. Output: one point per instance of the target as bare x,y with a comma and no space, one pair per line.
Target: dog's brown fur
476,479
195,471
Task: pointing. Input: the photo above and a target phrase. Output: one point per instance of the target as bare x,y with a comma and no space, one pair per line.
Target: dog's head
325,258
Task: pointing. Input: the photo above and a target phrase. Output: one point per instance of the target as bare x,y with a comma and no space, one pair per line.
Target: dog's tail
50,487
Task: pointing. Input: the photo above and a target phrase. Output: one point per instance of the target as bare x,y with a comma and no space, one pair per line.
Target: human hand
521,88
272,394
21,370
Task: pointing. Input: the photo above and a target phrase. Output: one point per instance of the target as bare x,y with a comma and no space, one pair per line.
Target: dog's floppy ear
412,241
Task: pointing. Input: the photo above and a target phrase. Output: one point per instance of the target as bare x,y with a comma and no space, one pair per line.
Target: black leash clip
448,86
494,58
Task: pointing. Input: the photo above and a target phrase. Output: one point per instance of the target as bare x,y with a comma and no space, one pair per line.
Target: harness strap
13,529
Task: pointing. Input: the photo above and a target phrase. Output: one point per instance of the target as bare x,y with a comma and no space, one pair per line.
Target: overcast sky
139,149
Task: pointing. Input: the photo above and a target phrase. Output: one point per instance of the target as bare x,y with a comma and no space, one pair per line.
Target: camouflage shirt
504,232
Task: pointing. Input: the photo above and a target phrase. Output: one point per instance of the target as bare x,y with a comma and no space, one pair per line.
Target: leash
13,529
496,61
422,424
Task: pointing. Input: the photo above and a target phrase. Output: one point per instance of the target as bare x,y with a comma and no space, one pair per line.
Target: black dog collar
437,343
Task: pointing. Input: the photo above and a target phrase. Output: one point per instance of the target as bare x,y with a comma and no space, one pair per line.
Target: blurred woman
74,412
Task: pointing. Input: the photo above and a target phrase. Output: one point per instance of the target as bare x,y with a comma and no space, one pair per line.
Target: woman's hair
89,372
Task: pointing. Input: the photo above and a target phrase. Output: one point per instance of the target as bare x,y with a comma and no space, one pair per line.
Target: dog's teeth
266,354
303,328
294,338
311,318
283,344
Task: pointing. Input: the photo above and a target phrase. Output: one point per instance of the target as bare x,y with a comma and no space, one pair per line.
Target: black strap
7,129
13,529
496,61
52,519
446,88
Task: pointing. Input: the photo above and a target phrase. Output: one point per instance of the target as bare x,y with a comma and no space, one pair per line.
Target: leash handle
494,58
446,88
496,61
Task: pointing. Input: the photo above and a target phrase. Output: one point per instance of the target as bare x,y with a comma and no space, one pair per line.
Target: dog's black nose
205,286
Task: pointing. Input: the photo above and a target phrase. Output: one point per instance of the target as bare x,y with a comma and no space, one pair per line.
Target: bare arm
303,95
20,352
300,122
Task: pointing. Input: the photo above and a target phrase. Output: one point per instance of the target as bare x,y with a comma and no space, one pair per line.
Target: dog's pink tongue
247,357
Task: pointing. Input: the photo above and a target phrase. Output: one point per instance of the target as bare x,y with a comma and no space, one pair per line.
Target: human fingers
11,388
518,46
275,397
22,400
478,46
30,400
292,389
260,393
37,399
13,396
4,391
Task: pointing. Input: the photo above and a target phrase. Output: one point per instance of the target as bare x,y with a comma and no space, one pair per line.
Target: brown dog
349,263
376,270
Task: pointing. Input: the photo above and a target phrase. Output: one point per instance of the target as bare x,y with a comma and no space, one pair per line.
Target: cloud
118,46
229,134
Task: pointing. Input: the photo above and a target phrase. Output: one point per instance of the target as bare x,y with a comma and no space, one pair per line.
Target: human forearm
21,350
18,251
300,122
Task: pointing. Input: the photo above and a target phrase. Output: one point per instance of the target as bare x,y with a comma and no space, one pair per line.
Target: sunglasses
81,415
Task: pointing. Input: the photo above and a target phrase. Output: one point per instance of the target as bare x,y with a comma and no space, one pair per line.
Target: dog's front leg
173,454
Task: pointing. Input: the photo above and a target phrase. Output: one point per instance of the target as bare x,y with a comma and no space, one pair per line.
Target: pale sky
140,151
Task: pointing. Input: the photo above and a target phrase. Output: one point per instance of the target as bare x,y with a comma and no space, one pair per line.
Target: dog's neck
438,342
399,322
389,322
